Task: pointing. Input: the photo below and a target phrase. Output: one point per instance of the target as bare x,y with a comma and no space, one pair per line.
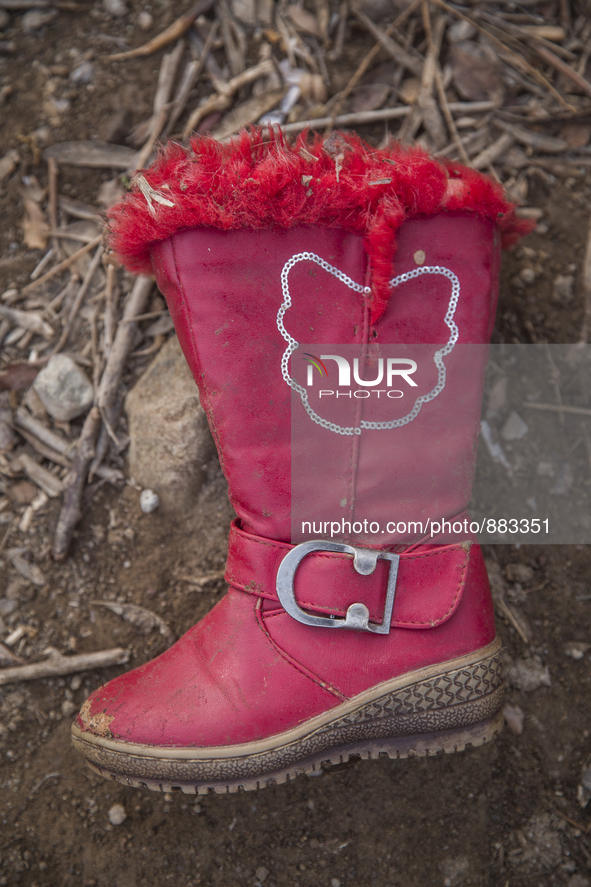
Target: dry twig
173,32
370,57
192,74
74,486
62,266
56,664
222,100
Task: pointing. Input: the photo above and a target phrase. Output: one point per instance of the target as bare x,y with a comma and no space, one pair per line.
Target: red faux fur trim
259,180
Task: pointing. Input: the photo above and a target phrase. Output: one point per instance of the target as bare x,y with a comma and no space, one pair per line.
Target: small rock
576,649
115,7
117,814
334,882
527,274
149,501
28,571
145,20
563,287
245,10
519,573
514,718
545,469
455,870
514,428
261,874
68,708
22,493
83,73
64,389
36,19
7,606
528,674
170,441
461,30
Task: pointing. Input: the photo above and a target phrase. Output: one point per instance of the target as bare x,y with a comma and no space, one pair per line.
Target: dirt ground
504,815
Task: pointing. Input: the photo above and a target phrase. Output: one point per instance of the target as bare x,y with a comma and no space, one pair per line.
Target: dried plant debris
141,618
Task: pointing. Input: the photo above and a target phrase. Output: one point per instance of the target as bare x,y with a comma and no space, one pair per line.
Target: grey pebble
115,7
64,388
117,814
514,428
35,19
149,501
83,73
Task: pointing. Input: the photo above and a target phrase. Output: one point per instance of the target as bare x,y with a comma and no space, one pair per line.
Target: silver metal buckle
364,562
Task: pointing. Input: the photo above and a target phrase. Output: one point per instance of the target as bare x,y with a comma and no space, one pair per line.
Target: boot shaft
226,290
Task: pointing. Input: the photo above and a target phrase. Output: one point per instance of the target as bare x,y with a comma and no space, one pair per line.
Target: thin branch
62,266
173,32
56,665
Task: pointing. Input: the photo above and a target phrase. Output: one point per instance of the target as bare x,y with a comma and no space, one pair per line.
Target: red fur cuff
259,180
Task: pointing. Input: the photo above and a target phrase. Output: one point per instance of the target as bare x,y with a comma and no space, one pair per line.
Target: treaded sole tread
437,712
393,749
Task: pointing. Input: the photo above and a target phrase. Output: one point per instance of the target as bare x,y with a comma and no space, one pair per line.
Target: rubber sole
440,709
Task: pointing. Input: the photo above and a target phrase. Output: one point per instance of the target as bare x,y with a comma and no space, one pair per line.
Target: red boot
325,650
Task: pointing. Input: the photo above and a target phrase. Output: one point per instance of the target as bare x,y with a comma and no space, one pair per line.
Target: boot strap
429,581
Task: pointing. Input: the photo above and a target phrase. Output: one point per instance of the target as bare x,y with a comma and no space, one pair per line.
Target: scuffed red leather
246,672
222,683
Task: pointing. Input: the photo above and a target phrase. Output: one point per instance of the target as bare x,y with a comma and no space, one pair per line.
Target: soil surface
505,814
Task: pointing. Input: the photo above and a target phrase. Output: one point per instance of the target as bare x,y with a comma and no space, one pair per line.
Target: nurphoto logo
396,369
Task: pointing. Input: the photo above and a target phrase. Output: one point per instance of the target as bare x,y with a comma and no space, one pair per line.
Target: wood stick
25,420
54,443
558,408
57,269
192,74
27,320
70,512
144,154
514,59
173,32
41,265
562,67
222,100
44,450
493,152
383,114
430,113
539,141
122,344
52,173
449,120
369,58
166,77
79,298
517,621
56,664
41,477
109,318
394,50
